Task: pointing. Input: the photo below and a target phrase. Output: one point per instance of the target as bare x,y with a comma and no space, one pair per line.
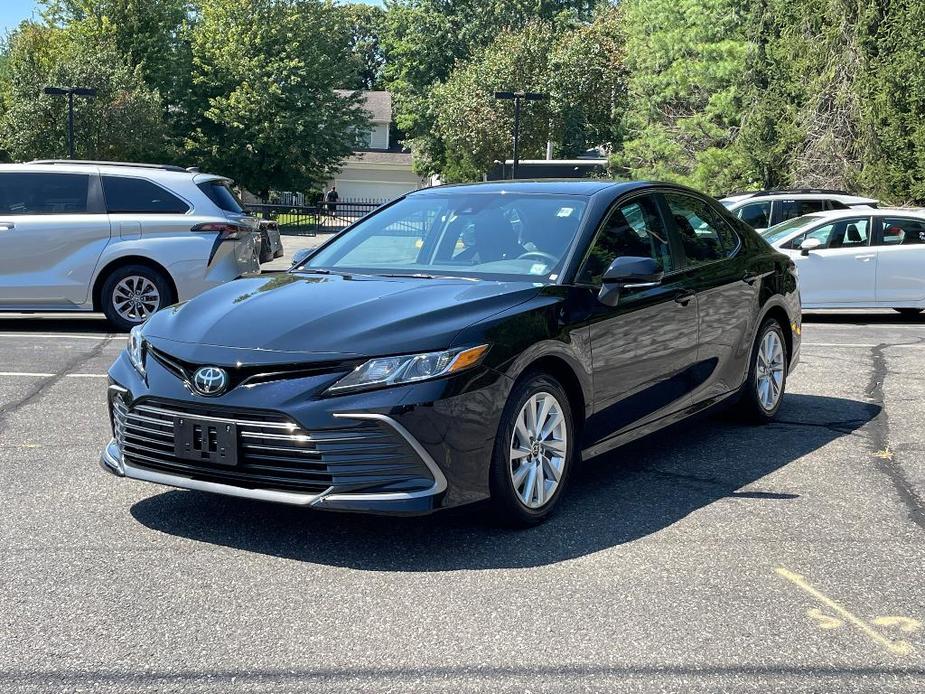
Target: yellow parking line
897,647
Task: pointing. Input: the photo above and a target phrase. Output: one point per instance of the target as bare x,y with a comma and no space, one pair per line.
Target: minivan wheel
533,452
767,376
908,311
132,293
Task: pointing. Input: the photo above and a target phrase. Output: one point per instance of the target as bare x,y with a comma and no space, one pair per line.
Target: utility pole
517,97
70,92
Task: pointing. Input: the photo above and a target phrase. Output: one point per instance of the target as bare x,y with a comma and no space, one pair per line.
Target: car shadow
856,317
57,323
626,495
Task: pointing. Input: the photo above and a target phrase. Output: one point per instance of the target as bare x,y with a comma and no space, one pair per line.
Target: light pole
71,92
517,97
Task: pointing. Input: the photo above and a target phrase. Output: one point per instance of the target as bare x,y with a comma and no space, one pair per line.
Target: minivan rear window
125,195
43,193
221,194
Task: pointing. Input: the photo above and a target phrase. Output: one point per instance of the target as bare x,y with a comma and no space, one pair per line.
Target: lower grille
273,452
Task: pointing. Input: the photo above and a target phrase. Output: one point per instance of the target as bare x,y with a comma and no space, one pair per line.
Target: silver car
124,239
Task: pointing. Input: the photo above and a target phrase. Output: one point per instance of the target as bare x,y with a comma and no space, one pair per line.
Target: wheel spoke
520,475
556,446
555,472
530,485
518,453
554,421
540,485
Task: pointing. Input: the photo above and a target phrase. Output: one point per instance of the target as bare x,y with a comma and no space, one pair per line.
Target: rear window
43,193
126,195
221,194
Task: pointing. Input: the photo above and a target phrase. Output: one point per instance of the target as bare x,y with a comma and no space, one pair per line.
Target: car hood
323,317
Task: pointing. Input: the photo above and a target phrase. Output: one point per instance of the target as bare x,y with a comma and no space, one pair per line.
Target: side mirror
300,255
809,245
628,272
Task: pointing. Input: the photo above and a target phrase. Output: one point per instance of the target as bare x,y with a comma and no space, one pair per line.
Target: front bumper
441,423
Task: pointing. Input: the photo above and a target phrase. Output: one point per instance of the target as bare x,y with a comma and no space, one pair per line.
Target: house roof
372,157
378,104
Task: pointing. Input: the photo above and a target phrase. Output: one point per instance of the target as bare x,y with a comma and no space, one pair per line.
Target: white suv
124,239
765,208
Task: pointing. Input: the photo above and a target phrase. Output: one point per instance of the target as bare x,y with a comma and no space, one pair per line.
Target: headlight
136,349
390,371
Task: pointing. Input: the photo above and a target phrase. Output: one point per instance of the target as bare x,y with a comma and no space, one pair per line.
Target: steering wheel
539,255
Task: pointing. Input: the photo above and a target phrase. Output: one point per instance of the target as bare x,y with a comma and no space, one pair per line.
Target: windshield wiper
416,275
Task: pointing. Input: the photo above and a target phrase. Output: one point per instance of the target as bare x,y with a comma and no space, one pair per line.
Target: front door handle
684,296
750,278
7,226
864,258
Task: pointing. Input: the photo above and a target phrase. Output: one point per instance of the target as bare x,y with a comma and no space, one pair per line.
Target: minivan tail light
225,230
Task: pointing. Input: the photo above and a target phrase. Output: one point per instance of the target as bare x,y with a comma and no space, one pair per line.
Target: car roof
762,196
568,186
110,167
826,215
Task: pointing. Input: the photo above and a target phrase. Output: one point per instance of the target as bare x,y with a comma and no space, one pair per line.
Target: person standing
331,198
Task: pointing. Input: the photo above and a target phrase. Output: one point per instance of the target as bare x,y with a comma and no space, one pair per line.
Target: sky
12,12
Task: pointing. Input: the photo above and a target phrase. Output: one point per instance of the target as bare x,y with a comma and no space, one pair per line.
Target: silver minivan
124,239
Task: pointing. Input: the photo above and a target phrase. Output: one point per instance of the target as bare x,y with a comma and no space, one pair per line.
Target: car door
53,230
726,283
642,348
843,270
900,248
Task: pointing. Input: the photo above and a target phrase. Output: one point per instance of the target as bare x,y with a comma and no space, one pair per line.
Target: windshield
781,231
470,234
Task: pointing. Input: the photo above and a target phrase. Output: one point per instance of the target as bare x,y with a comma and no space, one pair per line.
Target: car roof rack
779,191
162,167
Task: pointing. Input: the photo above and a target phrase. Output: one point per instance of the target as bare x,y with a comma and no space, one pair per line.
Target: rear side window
900,231
757,214
790,209
705,235
137,196
221,194
43,193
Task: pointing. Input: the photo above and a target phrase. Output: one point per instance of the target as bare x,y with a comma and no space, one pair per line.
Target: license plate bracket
205,441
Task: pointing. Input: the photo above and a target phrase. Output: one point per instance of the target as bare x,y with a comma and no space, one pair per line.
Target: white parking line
66,336
860,345
39,374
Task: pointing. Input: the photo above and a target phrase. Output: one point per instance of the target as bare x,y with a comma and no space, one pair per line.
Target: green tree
686,59
363,27
424,39
124,121
264,107
579,65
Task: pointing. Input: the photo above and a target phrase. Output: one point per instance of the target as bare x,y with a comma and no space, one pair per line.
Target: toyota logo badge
210,380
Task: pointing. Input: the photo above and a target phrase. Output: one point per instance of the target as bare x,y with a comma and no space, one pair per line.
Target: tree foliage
124,121
264,74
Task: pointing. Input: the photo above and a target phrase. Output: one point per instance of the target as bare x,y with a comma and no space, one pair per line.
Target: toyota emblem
210,380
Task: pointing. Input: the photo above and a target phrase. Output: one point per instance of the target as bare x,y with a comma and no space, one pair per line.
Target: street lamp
71,92
517,97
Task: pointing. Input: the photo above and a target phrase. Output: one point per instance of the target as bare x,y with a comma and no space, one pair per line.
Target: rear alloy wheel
132,294
908,311
767,376
533,451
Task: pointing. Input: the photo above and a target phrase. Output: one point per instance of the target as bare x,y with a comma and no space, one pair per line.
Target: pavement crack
36,391
880,435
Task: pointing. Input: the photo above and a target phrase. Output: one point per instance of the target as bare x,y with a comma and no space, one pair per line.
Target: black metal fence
308,220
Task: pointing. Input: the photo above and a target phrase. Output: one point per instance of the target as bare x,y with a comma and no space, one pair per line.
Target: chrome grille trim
289,426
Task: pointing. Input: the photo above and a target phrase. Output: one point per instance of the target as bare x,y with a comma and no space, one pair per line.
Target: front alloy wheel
538,448
533,451
767,374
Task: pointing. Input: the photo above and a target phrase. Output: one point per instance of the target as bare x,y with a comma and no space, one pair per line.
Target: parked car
271,243
765,208
437,354
857,258
124,239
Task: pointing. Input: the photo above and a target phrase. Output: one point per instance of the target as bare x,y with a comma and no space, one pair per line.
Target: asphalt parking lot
714,557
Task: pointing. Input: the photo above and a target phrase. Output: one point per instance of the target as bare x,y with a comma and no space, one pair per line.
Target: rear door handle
865,257
7,226
750,278
684,296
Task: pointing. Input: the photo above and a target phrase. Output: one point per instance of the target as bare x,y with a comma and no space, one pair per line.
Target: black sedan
460,344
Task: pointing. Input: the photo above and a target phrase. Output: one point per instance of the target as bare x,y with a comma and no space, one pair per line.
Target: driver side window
633,229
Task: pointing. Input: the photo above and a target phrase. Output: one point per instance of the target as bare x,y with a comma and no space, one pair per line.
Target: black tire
508,507
156,278
753,409
908,311
266,250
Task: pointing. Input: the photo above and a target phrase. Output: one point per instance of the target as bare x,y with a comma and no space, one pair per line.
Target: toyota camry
460,344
